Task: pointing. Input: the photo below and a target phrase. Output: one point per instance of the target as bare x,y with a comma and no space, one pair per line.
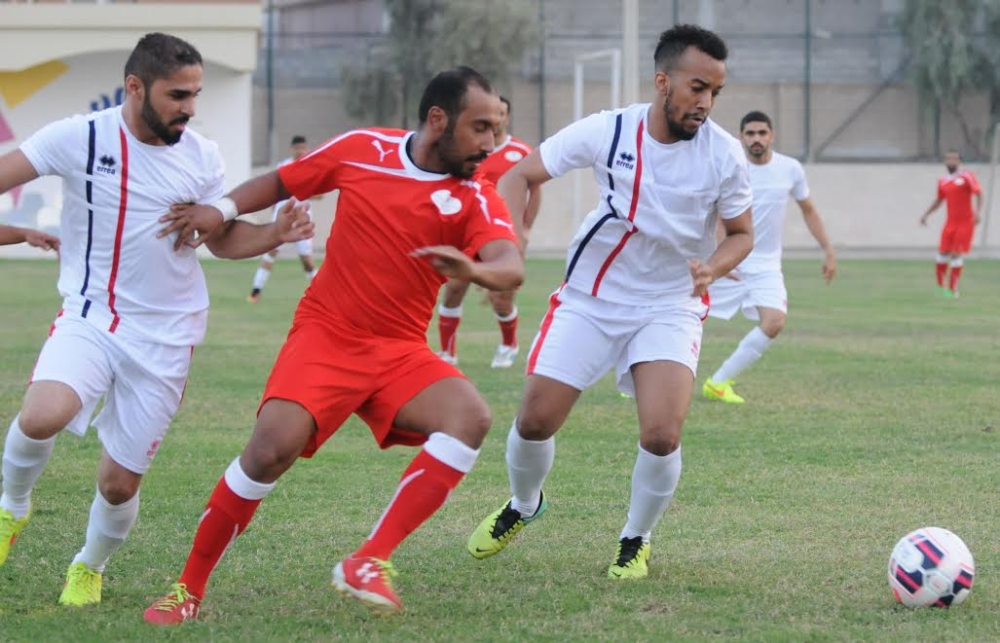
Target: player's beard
454,163
157,126
951,168
757,150
676,127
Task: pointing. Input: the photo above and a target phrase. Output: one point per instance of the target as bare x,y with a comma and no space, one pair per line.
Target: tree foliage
956,52
427,36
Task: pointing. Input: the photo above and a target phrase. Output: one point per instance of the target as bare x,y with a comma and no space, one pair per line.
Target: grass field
871,416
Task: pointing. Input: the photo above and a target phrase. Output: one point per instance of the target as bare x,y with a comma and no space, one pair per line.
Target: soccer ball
931,567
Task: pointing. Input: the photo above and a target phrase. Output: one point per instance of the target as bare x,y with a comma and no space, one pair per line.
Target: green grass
871,416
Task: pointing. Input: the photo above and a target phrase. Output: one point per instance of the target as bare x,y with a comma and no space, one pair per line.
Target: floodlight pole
991,186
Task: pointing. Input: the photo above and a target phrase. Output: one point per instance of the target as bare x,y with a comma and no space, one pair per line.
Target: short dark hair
159,55
447,91
505,101
756,116
675,41
298,139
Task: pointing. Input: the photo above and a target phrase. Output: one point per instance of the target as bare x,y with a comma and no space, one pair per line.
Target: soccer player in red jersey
956,189
412,213
508,152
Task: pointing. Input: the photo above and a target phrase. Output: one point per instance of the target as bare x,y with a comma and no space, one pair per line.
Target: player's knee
536,424
471,424
266,460
117,489
772,327
39,420
661,442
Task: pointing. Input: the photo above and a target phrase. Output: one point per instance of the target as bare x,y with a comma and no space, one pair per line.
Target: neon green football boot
495,532
721,391
631,559
83,586
10,527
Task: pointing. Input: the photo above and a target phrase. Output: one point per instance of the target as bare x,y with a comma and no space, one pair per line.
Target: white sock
311,273
654,480
108,528
451,451
749,351
260,277
24,460
528,463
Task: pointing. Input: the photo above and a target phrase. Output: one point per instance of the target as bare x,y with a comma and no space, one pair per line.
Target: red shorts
334,372
956,238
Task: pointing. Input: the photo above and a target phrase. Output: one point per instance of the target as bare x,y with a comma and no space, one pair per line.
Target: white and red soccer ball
931,567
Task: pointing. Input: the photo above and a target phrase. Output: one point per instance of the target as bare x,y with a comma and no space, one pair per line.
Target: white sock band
243,486
508,318
451,451
444,311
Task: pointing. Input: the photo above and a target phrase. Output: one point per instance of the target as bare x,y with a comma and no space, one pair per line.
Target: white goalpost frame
615,55
984,240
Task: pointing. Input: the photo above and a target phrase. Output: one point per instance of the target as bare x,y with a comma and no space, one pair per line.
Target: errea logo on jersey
445,202
107,165
626,160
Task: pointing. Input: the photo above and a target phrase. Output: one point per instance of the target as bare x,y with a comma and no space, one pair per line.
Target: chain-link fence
831,73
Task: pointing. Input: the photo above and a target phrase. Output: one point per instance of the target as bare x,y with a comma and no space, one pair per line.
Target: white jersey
658,208
772,182
113,271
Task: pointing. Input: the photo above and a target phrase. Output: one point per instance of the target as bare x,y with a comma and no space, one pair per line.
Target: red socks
956,274
423,489
225,518
508,330
448,327
941,269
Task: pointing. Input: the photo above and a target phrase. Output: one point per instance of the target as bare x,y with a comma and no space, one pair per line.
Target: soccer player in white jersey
637,272
133,306
10,235
304,248
757,287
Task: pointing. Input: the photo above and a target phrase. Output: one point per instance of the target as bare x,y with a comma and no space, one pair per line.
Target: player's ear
437,120
662,82
134,86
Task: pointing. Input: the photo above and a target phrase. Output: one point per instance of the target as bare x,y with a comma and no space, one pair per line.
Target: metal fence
833,74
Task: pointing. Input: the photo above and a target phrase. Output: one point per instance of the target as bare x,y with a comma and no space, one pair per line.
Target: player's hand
293,222
192,223
923,220
447,260
41,240
735,276
829,268
702,277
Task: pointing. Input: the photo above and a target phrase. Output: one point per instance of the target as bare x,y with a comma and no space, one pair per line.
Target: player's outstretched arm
15,170
501,266
194,222
10,235
516,185
734,247
242,240
934,206
818,231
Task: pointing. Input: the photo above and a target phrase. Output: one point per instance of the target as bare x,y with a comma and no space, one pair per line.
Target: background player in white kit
757,286
304,248
133,306
637,271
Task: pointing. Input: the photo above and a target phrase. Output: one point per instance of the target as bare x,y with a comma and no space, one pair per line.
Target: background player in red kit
956,188
508,152
411,213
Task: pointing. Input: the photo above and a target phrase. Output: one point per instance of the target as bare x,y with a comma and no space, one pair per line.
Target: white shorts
582,338
765,289
303,247
142,384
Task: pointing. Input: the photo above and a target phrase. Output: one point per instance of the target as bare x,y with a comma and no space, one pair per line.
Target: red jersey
387,208
503,157
956,191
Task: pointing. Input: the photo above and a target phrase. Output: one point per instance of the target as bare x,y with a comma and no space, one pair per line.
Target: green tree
956,52
426,36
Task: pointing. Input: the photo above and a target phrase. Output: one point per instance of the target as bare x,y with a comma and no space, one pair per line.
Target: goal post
614,56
